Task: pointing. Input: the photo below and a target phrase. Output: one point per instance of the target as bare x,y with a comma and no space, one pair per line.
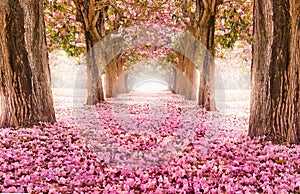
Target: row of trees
101,18
25,92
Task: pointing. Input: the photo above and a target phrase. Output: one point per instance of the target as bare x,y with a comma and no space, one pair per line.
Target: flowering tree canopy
64,31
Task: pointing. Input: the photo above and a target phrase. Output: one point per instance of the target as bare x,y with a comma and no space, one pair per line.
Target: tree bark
275,105
95,88
111,77
179,75
94,30
190,73
25,90
113,69
205,33
202,26
92,14
121,82
185,76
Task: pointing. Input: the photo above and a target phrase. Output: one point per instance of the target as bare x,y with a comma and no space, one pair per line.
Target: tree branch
91,12
219,2
81,10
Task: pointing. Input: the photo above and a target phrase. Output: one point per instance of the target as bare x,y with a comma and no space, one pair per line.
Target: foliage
62,29
234,21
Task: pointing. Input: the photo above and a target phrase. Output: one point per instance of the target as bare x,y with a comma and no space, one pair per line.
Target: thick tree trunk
93,14
190,73
25,90
179,73
95,88
111,76
113,71
121,88
207,84
115,79
275,104
185,77
94,30
202,26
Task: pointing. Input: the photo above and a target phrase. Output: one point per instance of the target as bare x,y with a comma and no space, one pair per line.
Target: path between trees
55,158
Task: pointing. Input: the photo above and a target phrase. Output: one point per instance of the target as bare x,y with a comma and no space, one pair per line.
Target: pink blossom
58,161
11,190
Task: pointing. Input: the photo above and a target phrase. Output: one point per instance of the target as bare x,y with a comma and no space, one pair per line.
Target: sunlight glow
151,87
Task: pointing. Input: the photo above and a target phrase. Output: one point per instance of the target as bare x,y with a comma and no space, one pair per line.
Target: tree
202,16
275,104
63,31
234,22
101,18
25,91
197,17
92,15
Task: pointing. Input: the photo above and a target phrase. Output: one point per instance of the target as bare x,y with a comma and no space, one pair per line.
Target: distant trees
93,15
25,91
202,15
275,98
197,17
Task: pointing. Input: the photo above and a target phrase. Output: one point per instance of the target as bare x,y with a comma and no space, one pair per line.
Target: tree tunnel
190,54
151,86
168,76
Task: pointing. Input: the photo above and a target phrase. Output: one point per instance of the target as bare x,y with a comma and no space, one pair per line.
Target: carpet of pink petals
54,158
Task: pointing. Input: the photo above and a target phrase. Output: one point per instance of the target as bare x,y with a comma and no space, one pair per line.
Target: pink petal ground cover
54,158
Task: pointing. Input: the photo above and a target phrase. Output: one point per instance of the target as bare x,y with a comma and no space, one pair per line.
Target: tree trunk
113,70
95,88
122,78
110,77
275,105
190,73
93,14
202,26
25,90
205,33
179,76
94,30
185,76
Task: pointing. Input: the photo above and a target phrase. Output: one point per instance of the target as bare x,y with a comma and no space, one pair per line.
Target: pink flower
11,190
112,17
220,33
52,191
236,18
62,180
158,191
8,181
